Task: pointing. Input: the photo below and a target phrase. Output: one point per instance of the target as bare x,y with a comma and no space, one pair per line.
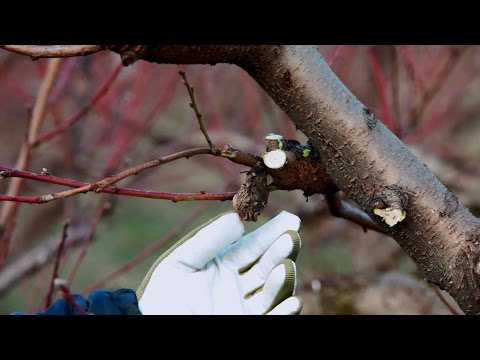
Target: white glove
213,270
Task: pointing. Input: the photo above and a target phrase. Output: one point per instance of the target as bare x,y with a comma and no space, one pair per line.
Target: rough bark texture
252,198
363,158
302,171
374,168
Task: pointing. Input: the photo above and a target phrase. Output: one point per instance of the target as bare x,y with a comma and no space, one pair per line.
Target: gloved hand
213,270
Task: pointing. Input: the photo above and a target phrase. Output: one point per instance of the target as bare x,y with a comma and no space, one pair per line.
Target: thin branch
65,125
444,301
344,210
91,232
110,180
175,197
194,106
53,51
48,298
104,184
9,210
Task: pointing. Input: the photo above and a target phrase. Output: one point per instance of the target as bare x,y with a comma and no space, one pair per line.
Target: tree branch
48,298
362,157
194,106
53,51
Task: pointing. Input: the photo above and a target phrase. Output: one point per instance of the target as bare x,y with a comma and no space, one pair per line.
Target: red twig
48,298
104,185
381,89
91,232
175,197
77,116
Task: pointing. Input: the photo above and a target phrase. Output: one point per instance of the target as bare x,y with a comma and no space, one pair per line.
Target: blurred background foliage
427,95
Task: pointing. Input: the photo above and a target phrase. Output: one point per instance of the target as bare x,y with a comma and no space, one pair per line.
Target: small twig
48,298
55,51
91,232
443,300
65,125
344,210
194,106
82,187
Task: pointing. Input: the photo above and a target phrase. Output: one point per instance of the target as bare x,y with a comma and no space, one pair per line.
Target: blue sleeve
99,302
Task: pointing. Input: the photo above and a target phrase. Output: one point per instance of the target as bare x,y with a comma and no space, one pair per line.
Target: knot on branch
390,204
4,174
131,53
302,170
293,166
252,197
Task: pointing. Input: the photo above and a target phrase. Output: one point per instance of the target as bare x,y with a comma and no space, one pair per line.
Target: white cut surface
275,159
390,215
273,136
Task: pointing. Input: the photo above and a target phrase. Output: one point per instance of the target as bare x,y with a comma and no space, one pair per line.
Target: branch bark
362,157
55,51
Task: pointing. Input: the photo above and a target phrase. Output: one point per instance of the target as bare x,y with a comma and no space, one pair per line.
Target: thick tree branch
362,157
375,169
